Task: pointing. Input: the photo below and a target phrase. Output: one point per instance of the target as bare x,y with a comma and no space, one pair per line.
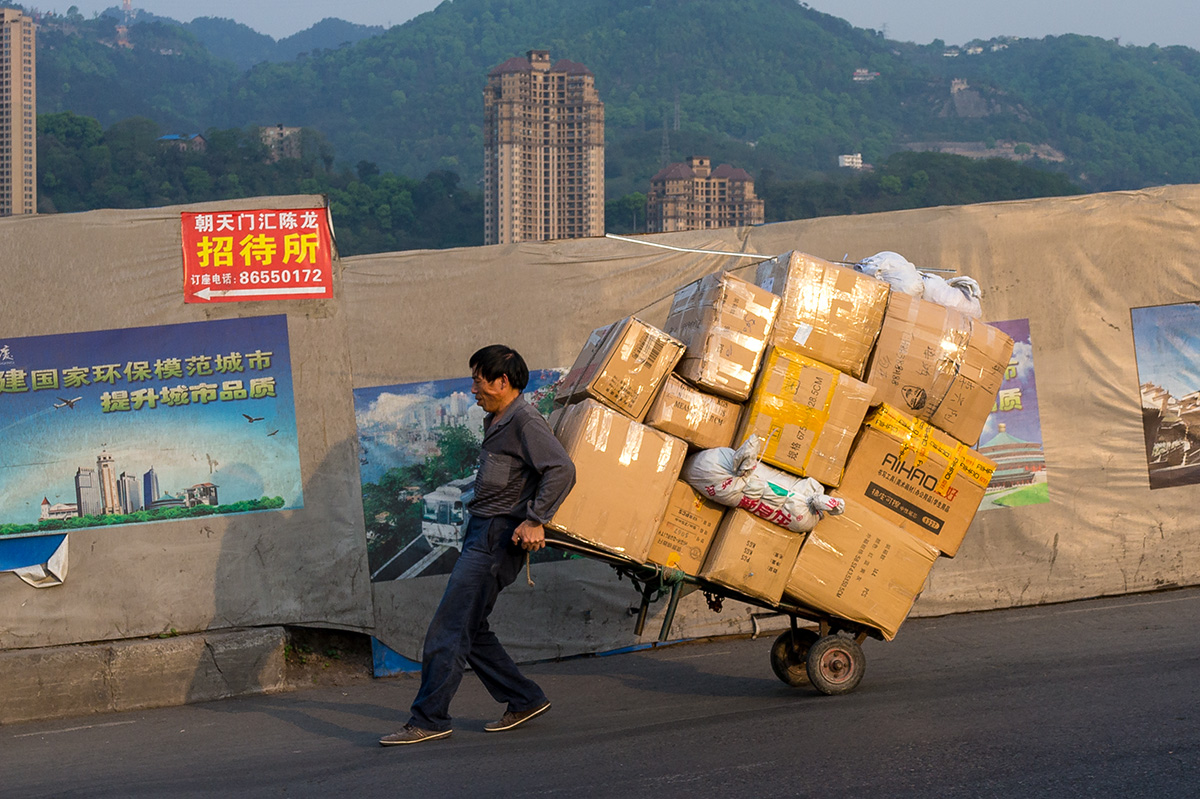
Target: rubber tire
836,665
789,656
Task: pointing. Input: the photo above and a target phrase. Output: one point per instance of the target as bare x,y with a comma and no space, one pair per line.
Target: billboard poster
146,424
1012,435
418,452
243,256
1166,340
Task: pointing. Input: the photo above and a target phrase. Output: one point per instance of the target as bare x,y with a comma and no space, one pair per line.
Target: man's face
491,395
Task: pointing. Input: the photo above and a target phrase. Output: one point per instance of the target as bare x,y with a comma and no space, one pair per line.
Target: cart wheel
789,656
836,664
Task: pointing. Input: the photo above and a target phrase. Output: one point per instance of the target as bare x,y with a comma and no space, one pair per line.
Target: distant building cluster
102,492
694,196
18,114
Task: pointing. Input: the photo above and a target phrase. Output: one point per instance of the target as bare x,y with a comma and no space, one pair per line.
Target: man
524,475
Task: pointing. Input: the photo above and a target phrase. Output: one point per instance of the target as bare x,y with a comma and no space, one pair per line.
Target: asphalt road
1087,699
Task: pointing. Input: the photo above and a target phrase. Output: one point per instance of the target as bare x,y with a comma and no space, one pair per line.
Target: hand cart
829,658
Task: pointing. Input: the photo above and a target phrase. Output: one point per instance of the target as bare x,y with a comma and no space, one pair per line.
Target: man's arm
557,474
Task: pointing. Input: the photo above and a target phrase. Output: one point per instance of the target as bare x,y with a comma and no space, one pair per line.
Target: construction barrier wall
1077,270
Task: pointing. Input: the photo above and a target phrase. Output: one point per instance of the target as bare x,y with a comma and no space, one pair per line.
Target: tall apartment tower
18,115
106,467
543,133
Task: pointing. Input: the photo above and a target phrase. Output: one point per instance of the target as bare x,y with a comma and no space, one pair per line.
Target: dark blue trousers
459,633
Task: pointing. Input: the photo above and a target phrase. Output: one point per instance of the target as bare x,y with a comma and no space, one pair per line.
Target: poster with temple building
146,424
1012,436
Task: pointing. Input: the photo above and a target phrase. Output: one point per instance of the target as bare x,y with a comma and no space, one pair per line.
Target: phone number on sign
273,276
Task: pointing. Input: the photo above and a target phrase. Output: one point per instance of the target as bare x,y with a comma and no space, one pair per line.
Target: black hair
495,360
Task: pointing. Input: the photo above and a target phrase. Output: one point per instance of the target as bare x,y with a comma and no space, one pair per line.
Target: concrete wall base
84,679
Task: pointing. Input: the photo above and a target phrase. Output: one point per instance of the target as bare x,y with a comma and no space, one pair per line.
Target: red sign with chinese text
245,256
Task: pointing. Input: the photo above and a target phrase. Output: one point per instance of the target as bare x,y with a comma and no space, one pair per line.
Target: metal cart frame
829,658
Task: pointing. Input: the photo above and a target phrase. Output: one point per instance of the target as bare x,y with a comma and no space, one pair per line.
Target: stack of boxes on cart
831,413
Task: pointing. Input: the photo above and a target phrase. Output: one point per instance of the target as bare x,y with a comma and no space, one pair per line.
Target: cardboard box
725,322
830,313
940,365
917,477
703,420
622,365
687,530
861,567
807,414
752,556
624,475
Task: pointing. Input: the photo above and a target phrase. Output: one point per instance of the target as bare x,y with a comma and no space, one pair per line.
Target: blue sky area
1166,340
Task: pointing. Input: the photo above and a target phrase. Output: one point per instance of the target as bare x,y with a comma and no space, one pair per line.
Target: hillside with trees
767,85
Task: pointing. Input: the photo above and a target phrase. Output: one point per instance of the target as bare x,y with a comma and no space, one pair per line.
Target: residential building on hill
281,142
543,132
18,114
693,196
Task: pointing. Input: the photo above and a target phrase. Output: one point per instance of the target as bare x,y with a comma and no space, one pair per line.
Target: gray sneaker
516,719
408,734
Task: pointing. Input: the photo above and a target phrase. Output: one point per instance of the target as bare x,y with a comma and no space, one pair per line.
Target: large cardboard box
687,530
752,556
807,414
939,364
622,365
917,477
703,420
830,313
624,475
724,321
861,567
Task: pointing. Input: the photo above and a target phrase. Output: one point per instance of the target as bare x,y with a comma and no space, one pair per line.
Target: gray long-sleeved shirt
523,469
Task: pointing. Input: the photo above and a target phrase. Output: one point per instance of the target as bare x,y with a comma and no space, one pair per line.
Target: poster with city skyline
1166,342
418,449
1012,435
147,424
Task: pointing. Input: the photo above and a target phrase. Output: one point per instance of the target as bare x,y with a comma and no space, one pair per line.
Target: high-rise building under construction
18,114
543,136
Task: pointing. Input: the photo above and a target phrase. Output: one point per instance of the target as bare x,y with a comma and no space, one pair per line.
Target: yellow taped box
807,414
830,313
687,530
624,475
725,322
917,477
704,421
940,365
752,556
860,567
622,365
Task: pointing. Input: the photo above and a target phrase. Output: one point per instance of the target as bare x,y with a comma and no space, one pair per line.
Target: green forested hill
764,84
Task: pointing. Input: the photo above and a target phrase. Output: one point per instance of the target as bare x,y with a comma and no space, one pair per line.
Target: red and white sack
737,479
720,473
796,503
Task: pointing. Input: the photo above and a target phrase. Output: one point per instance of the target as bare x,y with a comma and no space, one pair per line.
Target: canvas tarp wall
122,269
1074,267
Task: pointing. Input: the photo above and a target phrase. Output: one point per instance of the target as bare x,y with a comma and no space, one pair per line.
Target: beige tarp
120,269
1072,267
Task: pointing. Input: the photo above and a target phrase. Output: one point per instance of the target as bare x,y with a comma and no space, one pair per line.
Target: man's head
498,376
